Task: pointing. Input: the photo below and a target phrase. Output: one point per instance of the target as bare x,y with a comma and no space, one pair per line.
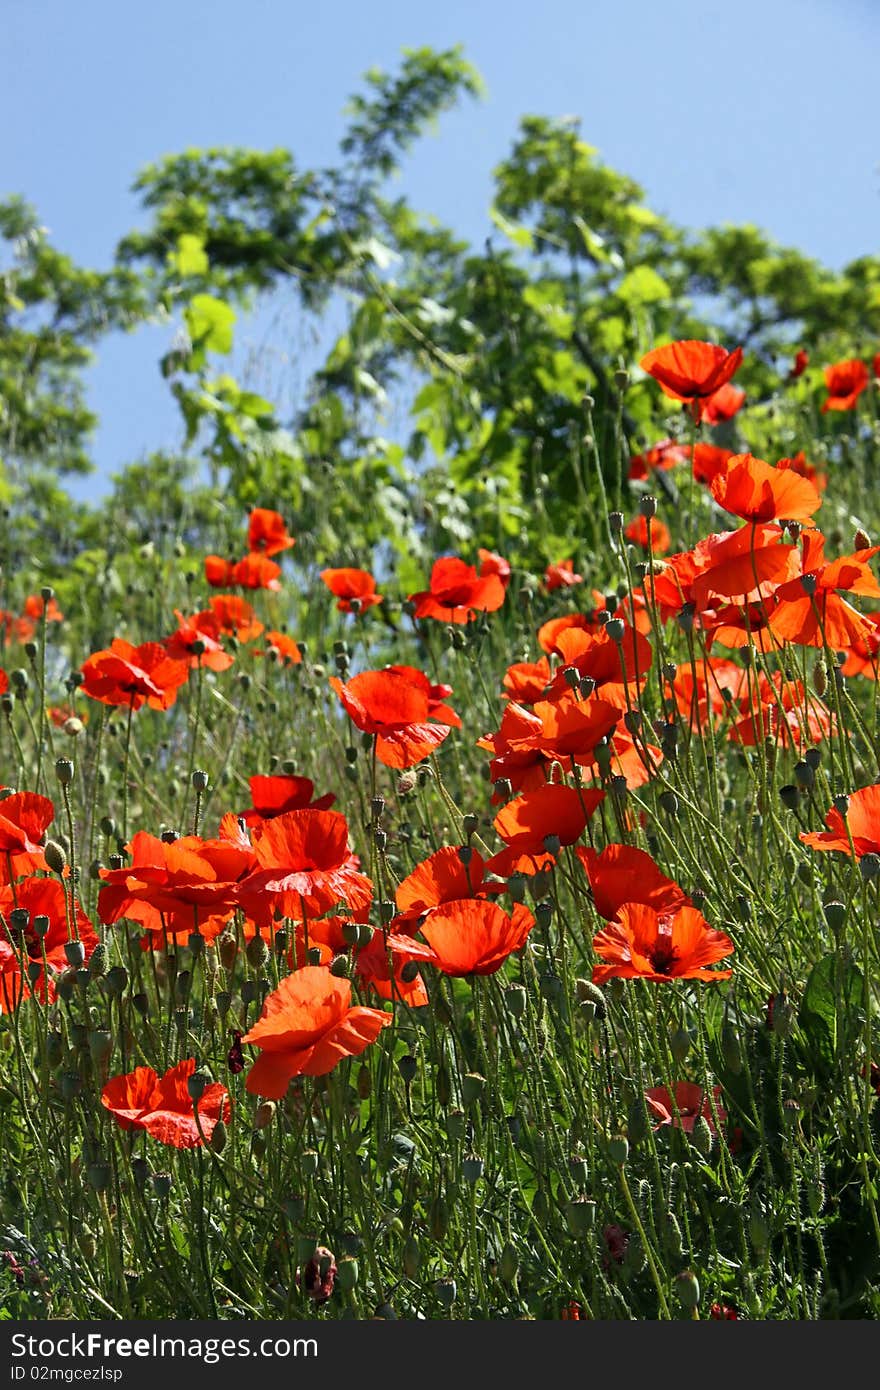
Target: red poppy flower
303,867
864,651
800,364
690,370
750,488
274,795
284,649
180,887
798,464
439,879
352,585
525,766
645,944
491,563
475,937
567,729
35,606
37,897
134,676
255,571
267,532
862,819
809,611
781,710
395,704
623,874
638,532
307,1027
561,576
737,564
845,381
690,1103
704,693
381,964
709,460
457,593
24,819
162,1106
235,616
723,1312
204,629
527,681
665,454
549,813
722,405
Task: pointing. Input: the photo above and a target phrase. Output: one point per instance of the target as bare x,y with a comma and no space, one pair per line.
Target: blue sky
763,111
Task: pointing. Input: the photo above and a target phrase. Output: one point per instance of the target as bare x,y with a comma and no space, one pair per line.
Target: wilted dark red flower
134,676
162,1106
307,1026
397,705
845,381
457,593
350,585
267,532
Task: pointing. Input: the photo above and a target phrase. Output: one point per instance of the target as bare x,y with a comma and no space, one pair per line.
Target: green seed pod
508,1265
472,1087
580,1216
438,1218
456,1124
217,1142
54,1049
687,1286
98,1175
634,1257
618,1150
680,1044
472,1168
587,992
100,1046
637,1125
347,1273
730,1048
444,1085
446,1291
702,1137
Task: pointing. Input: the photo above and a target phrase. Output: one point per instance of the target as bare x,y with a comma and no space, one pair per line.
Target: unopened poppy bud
515,1000
406,782
217,1141
587,992
34,971
444,1085
98,961
446,1291
603,754
701,1136
861,539
789,796
669,742
618,1150
340,967
140,1172
141,1002
820,676
348,1270
75,953
688,1289
730,1048
835,915
869,866
408,1066
100,1046
668,802
161,1184
264,1114
472,1168
685,618
637,1121
615,523
412,1258
680,1044
516,888
19,680
472,1087
227,947
55,857
257,952
196,1086
64,771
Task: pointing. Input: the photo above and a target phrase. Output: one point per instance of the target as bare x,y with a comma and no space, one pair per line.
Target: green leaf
190,257
643,286
831,1000
210,321
520,236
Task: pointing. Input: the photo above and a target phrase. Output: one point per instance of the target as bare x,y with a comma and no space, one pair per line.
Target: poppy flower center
663,955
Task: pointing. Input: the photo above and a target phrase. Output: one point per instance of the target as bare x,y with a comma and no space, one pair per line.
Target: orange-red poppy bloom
475,937
38,897
753,490
274,795
781,710
235,616
308,1026
710,459
737,564
561,576
809,611
722,405
639,531
24,819
202,630
799,365
492,563
283,648
667,453
864,651
862,821
162,1106
442,878
798,464
623,874
704,693
352,587
303,867
845,381
687,1103
255,571
552,813
127,675
642,943
457,593
184,886
267,532
690,370
381,964
401,708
